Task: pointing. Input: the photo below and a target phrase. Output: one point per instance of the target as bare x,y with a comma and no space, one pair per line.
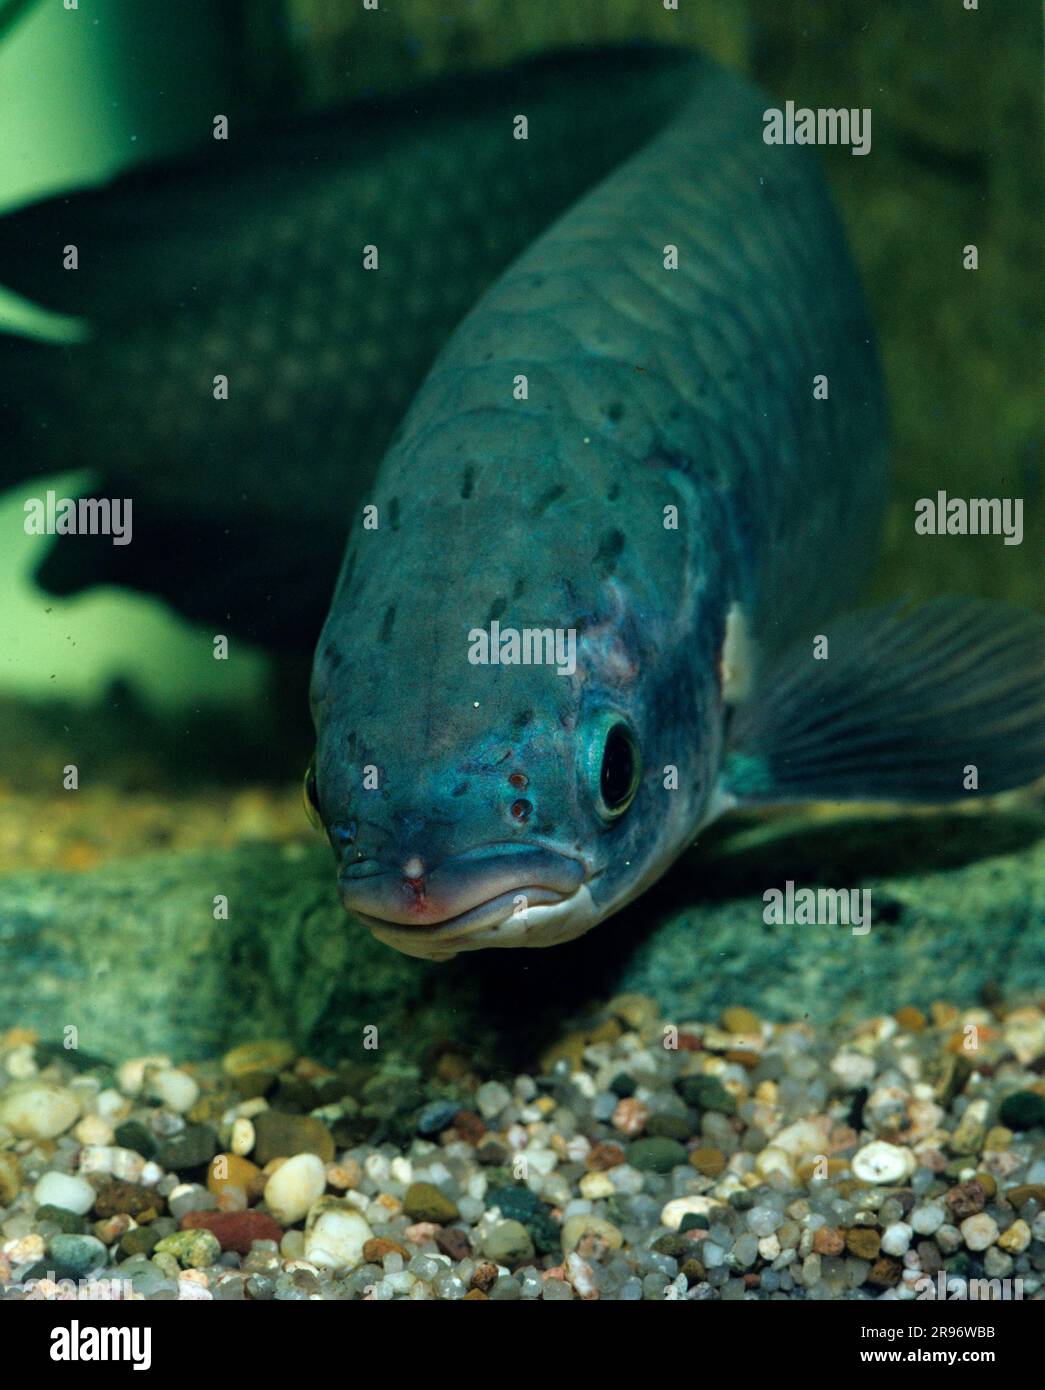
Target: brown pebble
469,1126
1025,1192
708,1160
10,1180
472,1295
911,1018
230,1170
454,1242
966,1199
484,1277
136,1200
885,1272
747,1059
828,1241
693,1270
739,1020
375,1250
986,1181
689,1042
863,1242
283,1136
603,1156
235,1230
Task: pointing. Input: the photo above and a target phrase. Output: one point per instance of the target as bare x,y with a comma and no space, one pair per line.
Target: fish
245,260
604,587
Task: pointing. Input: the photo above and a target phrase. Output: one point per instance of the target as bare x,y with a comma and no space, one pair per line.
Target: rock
669,1125
1026,1192
141,1240
863,1242
828,1241
175,1089
425,1202
437,1116
230,1170
79,1252
966,1199
910,1018
1020,1110
491,1098
192,1148
277,1135
294,1187
132,1134
68,1222
972,1129
93,1129
508,1243
65,1190
522,1205
979,1231
1025,1034
1016,1239
879,1162
706,1093
132,1198
589,1229
234,1230
35,1109
603,1156
896,1239
335,1234
10,1177
193,1249
675,1211
657,1155
267,1055
623,1085
928,1218
885,1273
738,1020
454,1242
375,1250
595,1186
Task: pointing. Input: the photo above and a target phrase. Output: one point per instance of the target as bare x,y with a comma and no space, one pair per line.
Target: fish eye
614,766
311,796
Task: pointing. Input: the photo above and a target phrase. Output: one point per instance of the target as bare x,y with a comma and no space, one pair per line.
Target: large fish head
478,801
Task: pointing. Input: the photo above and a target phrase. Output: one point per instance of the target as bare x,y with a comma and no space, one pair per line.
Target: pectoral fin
927,704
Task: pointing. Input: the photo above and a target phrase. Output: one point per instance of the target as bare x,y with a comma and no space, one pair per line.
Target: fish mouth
482,893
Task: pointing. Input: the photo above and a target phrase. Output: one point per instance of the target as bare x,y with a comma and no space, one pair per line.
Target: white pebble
979,1231
896,1238
131,1075
242,1138
879,1162
294,1186
672,1214
175,1089
37,1109
65,1190
336,1236
928,1219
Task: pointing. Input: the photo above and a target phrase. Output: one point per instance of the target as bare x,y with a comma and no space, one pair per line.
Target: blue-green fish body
620,493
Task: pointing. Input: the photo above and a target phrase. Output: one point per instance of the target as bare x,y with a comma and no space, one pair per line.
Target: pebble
588,1228
192,1147
336,1234
35,1109
79,1252
278,1135
927,1219
175,1089
491,1098
425,1202
193,1249
508,1242
1019,1111
294,1186
882,1163
234,1230
896,1238
65,1190
657,1155
266,1056
1016,1239
674,1213
979,1231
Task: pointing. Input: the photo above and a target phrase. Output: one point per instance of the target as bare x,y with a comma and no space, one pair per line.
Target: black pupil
618,768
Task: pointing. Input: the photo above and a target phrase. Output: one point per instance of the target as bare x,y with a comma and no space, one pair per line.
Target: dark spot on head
615,411
496,609
519,780
331,656
547,497
460,789
467,482
604,561
522,718
613,493
393,513
350,744
521,809
518,588
389,619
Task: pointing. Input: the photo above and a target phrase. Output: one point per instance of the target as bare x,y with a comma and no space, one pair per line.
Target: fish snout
462,893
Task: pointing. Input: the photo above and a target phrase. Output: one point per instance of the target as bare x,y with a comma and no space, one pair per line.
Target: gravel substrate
639,1159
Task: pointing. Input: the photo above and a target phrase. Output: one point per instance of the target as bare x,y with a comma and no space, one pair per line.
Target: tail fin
930,705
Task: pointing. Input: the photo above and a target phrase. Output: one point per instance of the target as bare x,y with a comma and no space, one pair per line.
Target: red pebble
689,1042
235,1230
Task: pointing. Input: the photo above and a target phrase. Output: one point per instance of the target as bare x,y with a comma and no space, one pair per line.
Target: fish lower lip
493,910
